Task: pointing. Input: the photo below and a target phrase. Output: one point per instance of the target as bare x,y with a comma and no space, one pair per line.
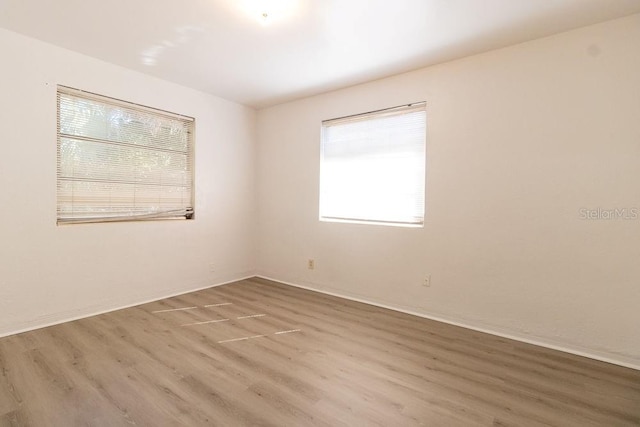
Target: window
119,161
373,167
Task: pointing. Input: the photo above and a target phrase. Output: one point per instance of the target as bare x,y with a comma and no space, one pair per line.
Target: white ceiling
311,46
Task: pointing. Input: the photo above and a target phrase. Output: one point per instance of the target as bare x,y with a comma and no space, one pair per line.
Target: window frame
372,115
186,213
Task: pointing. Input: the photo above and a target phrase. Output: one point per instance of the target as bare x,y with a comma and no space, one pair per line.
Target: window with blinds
373,167
119,161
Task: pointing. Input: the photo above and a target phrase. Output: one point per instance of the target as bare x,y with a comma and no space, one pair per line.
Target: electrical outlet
427,281
311,264
212,268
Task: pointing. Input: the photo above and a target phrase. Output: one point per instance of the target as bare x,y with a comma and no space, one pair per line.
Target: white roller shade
373,167
119,161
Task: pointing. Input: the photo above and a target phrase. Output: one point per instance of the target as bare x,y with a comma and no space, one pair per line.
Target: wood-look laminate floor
257,353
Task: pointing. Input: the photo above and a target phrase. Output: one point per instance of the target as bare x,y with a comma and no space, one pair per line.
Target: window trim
353,118
188,213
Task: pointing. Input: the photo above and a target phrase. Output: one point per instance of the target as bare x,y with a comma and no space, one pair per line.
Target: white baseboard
630,363
63,317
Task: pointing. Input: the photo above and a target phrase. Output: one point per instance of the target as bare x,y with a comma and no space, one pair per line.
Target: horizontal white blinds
373,166
119,161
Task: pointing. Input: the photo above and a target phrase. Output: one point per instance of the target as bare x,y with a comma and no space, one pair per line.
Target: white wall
50,273
519,140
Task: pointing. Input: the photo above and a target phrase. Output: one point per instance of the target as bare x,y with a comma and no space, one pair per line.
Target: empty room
320,213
